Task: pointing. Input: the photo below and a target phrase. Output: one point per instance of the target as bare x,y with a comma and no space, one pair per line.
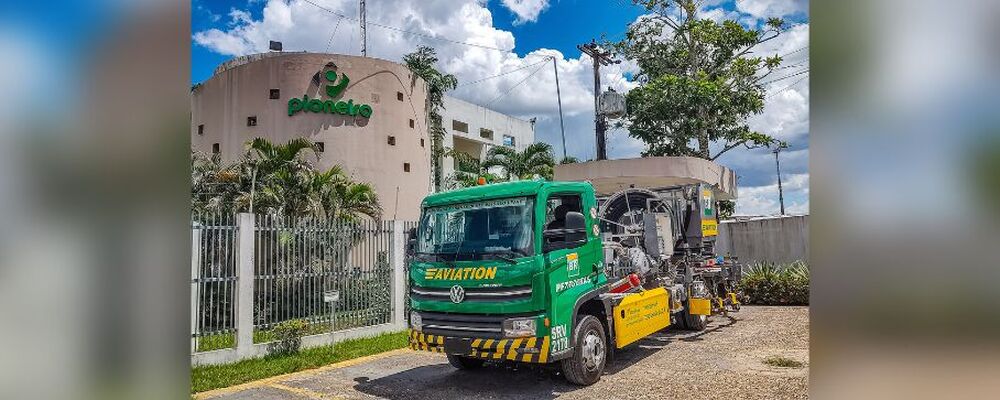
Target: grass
210,377
778,361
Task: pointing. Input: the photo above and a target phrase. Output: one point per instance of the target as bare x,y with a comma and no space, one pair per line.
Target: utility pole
562,128
777,165
600,57
364,36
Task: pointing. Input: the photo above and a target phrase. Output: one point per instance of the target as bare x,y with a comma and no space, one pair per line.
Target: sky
511,36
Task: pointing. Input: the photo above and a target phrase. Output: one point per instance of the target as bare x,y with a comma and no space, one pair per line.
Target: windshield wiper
498,254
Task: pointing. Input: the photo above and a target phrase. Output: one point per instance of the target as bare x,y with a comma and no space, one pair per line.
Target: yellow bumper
531,350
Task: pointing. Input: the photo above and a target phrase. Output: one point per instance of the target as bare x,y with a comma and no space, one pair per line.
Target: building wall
241,88
476,118
778,239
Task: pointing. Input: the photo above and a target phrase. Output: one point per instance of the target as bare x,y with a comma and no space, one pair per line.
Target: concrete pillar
245,280
399,277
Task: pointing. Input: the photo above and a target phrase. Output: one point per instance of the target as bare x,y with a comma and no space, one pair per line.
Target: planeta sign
332,89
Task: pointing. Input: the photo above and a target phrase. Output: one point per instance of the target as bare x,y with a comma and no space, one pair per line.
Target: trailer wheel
590,346
691,321
465,363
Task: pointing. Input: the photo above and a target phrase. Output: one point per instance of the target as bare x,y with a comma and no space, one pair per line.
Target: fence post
245,279
195,283
398,274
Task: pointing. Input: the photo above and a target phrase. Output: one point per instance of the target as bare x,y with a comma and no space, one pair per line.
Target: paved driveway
725,361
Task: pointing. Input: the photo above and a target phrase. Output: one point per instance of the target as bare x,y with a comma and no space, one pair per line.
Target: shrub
288,337
771,284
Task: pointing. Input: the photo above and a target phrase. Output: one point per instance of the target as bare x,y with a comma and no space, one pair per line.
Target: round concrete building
367,115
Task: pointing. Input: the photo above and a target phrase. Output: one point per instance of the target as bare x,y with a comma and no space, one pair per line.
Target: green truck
546,272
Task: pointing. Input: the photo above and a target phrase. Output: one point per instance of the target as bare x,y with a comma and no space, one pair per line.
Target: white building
473,130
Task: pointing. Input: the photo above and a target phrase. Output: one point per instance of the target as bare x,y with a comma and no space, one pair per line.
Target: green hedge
776,285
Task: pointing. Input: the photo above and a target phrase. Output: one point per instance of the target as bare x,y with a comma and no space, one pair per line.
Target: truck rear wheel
692,321
465,363
590,346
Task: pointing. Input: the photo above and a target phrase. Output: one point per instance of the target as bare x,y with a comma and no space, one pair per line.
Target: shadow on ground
514,381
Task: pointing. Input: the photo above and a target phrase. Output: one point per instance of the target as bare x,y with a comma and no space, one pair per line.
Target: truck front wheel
589,352
464,363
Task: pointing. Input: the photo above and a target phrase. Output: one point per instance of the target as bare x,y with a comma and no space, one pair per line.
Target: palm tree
421,63
279,179
536,159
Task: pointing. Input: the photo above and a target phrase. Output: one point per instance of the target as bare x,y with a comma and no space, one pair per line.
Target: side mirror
411,242
573,234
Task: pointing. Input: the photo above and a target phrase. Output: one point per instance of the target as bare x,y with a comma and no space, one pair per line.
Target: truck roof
499,190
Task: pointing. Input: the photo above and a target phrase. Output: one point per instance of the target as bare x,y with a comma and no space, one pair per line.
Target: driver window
557,206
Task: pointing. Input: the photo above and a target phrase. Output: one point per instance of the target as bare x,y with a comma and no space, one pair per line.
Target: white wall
480,117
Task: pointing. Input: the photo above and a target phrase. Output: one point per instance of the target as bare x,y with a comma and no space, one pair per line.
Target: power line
502,74
795,51
805,71
515,85
330,42
786,87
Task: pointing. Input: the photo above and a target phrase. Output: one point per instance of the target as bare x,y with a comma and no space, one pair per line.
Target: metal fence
336,276
302,264
213,283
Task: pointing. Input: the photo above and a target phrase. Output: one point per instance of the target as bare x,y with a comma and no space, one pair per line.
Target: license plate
457,346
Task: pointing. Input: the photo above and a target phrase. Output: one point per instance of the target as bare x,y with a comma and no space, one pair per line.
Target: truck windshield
472,231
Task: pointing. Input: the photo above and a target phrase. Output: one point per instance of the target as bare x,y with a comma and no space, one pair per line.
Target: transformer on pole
600,57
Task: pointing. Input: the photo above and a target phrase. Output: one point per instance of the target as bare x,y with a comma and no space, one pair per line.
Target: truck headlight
519,327
416,322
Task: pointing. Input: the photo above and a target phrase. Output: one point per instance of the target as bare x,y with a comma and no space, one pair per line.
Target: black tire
680,320
588,336
465,363
693,322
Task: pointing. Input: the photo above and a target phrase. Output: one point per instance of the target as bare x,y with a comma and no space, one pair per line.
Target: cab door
569,260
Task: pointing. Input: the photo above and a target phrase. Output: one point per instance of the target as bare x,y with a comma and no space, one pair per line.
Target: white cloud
763,200
525,10
772,8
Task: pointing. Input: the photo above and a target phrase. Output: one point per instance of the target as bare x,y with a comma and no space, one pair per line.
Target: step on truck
546,272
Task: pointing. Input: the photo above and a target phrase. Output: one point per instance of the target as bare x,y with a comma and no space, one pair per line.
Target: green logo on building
333,89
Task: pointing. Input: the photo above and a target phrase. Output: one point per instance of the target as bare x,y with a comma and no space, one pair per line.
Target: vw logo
457,294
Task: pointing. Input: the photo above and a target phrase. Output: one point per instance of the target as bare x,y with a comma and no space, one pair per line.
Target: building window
411,123
399,96
392,140
460,126
421,142
320,147
406,167
486,133
275,94
509,141
201,129
215,148
252,121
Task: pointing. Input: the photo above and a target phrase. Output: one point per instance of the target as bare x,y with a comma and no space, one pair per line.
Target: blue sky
227,28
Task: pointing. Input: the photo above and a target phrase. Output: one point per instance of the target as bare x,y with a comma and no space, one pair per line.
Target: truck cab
499,271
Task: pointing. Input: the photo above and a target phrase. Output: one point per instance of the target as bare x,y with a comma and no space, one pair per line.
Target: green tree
421,62
536,159
726,209
699,80
279,179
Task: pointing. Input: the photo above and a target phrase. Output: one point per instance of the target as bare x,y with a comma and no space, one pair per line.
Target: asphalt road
725,361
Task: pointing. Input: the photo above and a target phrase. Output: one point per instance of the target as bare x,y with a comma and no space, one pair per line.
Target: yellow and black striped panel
490,349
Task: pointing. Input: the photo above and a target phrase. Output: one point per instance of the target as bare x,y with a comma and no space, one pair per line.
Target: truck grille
464,325
483,295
